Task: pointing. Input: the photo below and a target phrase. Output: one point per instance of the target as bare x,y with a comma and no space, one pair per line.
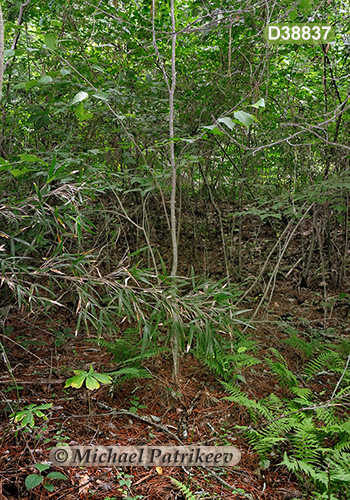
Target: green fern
228,359
122,348
127,352
339,466
239,397
326,362
184,489
281,370
129,372
314,437
306,348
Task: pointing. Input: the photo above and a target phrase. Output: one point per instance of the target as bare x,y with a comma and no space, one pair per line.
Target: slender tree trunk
175,339
171,137
171,92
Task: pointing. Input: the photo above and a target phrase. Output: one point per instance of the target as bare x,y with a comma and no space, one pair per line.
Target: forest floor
43,353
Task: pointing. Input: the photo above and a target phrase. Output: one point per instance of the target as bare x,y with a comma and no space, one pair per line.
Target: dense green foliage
312,434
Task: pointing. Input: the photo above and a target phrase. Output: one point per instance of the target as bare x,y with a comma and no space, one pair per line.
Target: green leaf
293,15
49,487
33,480
31,159
264,464
259,104
50,40
305,7
98,68
17,416
213,130
102,95
76,381
21,85
16,172
57,475
30,84
91,383
28,419
244,118
41,467
340,208
8,53
43,407
138,251
45,79
227,121
79,97
104,379
39,414
81,114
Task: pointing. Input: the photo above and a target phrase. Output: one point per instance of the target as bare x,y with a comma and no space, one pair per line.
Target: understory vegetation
175,197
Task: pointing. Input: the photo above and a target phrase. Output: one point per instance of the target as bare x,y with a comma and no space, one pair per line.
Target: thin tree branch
16,37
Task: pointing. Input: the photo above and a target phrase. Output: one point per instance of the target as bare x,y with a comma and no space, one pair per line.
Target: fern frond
296,465
326,362
131,372
217,365
340,468
242,360
237,396
121,348
305,441
326,416
304,394
150,353
285,376
306,348
263,441
184,489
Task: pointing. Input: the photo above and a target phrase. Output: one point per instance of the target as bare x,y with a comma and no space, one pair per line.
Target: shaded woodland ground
43,352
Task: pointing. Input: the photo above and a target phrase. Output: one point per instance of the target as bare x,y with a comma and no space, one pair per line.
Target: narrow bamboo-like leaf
16,172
